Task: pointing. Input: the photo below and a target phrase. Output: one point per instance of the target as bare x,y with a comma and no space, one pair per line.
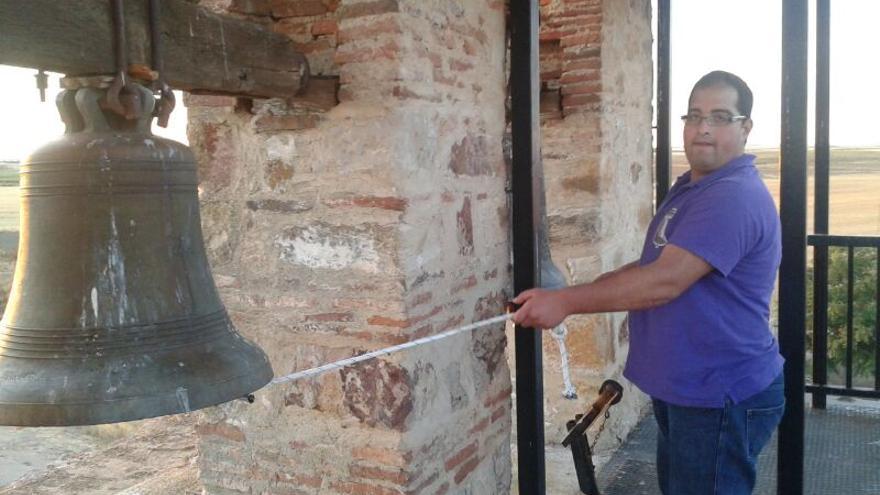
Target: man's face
707,147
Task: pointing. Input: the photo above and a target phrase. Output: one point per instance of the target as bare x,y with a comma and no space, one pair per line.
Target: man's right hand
540,308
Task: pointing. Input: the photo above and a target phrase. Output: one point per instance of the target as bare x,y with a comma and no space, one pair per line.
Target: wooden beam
203,52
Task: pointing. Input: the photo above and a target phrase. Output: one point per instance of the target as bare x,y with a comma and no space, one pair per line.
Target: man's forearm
628,288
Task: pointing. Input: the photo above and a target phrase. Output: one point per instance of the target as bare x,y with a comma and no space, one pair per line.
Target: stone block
378,393
334,247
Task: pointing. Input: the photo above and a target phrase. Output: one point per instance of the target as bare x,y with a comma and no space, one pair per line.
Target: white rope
388,350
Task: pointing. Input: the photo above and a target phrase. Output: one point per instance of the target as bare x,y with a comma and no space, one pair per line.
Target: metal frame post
526,158
821,195
663,160
793,213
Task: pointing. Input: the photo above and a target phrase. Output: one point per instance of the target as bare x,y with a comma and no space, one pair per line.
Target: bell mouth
77,390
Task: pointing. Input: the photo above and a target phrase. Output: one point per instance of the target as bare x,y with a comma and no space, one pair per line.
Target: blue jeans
714,451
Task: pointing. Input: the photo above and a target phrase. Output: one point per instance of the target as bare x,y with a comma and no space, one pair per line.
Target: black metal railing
820,387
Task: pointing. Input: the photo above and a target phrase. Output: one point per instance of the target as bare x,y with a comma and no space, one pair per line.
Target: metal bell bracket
126,106
166,97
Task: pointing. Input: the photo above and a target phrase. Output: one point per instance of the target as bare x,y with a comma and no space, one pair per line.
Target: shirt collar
731,167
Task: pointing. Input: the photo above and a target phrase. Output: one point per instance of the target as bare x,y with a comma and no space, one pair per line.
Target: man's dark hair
722,78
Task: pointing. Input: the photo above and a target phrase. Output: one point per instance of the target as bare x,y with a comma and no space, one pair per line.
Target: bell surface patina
113,314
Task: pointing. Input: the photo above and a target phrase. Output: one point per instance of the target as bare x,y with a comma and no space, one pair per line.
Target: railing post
820,214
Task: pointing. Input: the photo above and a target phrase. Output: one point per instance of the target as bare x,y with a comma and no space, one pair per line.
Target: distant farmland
855,187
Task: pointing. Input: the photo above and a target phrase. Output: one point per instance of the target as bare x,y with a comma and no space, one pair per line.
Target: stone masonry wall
366,212
596,145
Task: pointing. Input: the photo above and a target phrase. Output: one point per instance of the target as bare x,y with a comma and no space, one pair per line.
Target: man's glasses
714,119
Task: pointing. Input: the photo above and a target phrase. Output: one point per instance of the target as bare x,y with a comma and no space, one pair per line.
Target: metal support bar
877,324
663,160
844,240
843,391
821,195
850,292
793,213
524,92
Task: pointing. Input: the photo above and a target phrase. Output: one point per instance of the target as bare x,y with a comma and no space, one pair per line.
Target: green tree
864,309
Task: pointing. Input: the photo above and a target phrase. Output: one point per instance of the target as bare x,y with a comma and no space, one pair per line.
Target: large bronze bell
113,314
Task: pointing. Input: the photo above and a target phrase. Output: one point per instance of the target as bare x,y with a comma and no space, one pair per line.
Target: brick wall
368,211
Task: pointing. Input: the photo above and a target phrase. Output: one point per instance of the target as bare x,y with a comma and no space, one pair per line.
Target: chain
599,433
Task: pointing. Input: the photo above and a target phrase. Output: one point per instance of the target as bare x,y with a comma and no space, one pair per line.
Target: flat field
854,180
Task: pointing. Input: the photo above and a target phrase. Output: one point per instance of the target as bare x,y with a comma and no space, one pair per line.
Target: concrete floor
842,456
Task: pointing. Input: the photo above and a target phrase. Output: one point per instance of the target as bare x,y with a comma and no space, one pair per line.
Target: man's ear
747,128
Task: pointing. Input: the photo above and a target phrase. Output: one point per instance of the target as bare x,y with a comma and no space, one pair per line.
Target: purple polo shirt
713,341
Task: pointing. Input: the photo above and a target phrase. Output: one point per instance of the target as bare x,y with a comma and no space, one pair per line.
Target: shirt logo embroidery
660,239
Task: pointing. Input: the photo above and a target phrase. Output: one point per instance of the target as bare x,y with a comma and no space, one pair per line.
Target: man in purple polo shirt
699,302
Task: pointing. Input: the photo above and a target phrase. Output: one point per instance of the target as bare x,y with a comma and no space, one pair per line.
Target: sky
741,36
26,123
744,37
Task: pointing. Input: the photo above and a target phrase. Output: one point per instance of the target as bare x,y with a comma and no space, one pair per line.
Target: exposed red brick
459,457
319,45
452,322
311,481
397,476
587,182
345,55
378,393
420,488
191,100
581,53
298,479
465,284
325,26
251,7
330,317
581,39
362,9
277,173
422,331
499,413
470,156
497,398
224,430
420,299
353,488
466,469
571,77
278,206
298,8
480,426
385,321
460,65
381,202
582,88
402,92
379,455
370,30
580,100
293,27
